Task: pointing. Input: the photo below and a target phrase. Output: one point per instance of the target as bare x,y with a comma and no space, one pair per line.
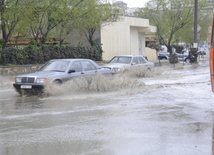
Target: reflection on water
26,102
160,114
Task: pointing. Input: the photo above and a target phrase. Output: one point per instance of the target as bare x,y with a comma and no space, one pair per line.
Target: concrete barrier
17,69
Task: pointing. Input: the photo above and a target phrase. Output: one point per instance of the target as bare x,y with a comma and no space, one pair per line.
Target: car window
125,60
87,66
76,65
135,60
114,60
141,60
63,65
55,65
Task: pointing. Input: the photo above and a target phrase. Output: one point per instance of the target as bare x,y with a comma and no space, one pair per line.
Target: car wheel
187,60
57,82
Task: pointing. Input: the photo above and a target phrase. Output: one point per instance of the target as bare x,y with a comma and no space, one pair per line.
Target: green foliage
173,58
1,44
44,53
44,18
154,46
32,45
178,48
194,51
174,19
12,13
97,15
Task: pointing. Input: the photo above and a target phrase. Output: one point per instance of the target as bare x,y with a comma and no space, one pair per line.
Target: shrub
173,58
38,55
178,48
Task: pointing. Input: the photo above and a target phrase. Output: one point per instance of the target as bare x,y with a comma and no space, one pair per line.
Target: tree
204,20
171,17
42,19
98,14
50,14
60,18
11,13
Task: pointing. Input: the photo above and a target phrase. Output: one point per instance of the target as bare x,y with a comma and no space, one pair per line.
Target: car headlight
42,80
18,79
116,70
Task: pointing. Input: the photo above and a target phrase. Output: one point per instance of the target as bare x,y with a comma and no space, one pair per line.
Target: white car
124,63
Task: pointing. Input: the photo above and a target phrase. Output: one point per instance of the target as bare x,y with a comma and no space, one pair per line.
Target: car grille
28,80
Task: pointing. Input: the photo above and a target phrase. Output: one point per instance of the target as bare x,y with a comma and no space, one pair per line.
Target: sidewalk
202,61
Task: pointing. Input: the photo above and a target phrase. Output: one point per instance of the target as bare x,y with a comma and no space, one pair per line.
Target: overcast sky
134,3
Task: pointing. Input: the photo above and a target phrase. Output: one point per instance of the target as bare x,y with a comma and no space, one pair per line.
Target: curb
183,67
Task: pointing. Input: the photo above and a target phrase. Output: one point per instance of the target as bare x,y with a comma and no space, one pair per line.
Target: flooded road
168,113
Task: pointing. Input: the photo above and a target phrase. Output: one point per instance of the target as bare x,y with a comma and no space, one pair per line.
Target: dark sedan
57,71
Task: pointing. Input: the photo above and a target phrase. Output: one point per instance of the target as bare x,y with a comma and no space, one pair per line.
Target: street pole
196,25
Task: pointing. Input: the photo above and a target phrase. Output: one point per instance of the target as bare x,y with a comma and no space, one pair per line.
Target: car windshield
59,66
186,51
121,59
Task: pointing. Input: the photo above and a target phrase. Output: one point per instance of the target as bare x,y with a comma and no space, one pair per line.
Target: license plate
26,86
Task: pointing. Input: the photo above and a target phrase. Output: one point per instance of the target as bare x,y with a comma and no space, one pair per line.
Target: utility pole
196,25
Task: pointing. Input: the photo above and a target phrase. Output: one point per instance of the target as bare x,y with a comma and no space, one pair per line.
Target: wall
17,70
123,37
134,49
151,54
115,39
142,41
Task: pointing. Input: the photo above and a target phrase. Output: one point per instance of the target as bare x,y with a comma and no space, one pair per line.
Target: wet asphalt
167,113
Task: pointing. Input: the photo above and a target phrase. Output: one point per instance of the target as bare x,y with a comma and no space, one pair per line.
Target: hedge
44,53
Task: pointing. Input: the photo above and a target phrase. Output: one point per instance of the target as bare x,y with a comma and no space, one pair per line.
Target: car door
88,68
143,63
75,70
135,63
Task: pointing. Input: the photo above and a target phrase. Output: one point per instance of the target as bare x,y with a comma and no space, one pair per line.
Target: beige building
125,37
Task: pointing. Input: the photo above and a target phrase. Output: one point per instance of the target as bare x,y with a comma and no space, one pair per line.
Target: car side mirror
71,71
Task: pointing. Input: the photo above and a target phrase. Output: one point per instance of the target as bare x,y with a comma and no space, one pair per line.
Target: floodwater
169,112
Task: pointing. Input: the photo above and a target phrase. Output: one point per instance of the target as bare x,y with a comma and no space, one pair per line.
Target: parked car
183,55
201,50
191,58
124,63
163,55
186,56
57,71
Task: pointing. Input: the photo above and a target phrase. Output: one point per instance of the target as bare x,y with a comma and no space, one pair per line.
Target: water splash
127,82
97,83
6,81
